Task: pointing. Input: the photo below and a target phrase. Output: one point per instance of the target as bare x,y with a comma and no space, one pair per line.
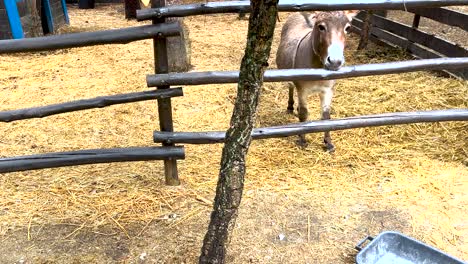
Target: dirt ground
412,178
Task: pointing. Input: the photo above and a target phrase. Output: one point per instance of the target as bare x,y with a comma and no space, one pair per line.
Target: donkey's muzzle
335,57
333,64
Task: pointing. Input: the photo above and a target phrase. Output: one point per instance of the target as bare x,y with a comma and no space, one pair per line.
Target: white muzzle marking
335,57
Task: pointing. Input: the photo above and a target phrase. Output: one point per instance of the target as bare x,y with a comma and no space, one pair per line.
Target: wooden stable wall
30,19
58,15
5,32
34,18
29,11
420,44
54,15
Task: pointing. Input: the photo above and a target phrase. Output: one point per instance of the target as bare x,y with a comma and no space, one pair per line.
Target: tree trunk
367,26
178,47
365,32
230,185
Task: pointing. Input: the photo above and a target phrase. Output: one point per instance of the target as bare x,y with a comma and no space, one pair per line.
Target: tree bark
230,185
365,32
367,26
178,47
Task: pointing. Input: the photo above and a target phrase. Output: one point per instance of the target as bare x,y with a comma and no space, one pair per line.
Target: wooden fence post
131,7
164,105
366,29
416,20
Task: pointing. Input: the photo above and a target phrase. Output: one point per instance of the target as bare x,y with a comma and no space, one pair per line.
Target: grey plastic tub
395,248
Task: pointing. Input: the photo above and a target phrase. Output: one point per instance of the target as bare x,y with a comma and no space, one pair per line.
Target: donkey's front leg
291,99
325,101
302,112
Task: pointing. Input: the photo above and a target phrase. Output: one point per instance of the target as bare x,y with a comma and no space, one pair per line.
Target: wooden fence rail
216,77
384,37
416,42
91,156
444,15
290,6
417,36
318,126
98,102
158,31
72,40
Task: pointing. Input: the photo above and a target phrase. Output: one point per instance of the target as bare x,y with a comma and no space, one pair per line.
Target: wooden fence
158,32
163,80
420,44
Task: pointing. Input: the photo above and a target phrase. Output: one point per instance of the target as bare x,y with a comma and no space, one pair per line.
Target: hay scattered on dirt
412,178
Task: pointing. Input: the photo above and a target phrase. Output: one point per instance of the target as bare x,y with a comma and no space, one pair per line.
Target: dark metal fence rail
290,6
72,40
217,77
318,126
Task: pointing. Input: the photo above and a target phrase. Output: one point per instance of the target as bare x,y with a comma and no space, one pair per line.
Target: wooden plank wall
31,22
444,16
57,14
5,32
420,44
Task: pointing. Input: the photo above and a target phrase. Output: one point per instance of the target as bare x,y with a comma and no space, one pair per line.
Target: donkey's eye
347,29
321,27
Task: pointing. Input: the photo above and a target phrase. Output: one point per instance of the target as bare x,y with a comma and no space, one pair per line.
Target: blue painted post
14,19
65,12
49,17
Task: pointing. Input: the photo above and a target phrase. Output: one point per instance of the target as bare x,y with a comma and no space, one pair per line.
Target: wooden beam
379,35
358,30
417,36
161,65
217,77
73,40
289,6
319,126
414,49
91,156
98,102
416,20
444,16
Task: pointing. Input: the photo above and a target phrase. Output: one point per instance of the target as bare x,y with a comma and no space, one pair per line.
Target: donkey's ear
351,13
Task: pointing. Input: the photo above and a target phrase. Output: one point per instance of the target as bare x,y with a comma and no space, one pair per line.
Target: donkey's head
329,35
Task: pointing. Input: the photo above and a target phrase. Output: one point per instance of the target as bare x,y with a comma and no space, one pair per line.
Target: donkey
315,40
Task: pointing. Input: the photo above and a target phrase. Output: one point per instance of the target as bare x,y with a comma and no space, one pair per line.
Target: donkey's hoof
329,147
290,110
302,143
